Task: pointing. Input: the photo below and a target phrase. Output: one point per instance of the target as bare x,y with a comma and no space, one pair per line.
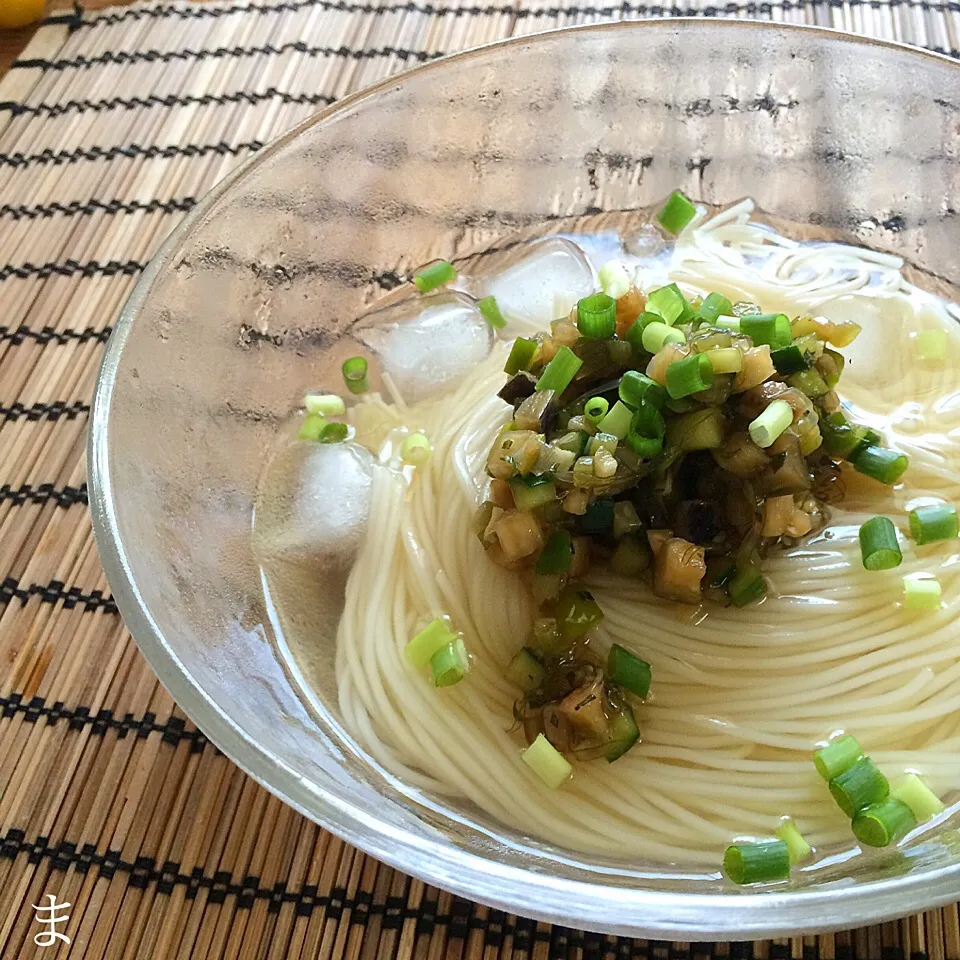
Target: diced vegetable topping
628,670
921,593
859,786
677,212
449,664
597,317
762,862
547,762
614,280
838,756
490,309
922,801
932,523
415,450
355,374
798,849
325,404
883,823
434,275
879,546
433,637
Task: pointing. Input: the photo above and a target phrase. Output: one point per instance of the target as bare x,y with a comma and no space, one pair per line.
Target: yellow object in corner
18,13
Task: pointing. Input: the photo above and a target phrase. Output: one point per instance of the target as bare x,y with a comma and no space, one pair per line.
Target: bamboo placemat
111,126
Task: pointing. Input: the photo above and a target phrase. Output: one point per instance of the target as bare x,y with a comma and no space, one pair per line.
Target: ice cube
543,284
425,344
312,505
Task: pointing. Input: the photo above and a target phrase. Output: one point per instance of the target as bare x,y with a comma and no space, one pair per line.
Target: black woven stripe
170,100
586,10
87,208
56,592
35,709
71,268
65,496
218,53
18,335
131,151
44,411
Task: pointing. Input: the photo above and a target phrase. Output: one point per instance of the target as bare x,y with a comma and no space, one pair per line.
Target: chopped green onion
449,664
676,213
935,522
532,492
922,801
809,382
560,371
881,463
761,862
727,323
595,409
843,440
312,427
655,335
617,421
798,848
838,756
725,360
921,593
771,423
525,670
543,758
490,309
334,433
789,360
767,328
521,355
434,275
634,336
628,671
433,637
883,823
326,404
746,585
879,547
669,303
631,557
715,305
614,279
647,430
689,375
623,732
355,374
556,555
577,613
931,344
597,316
859,786
415,450
636,387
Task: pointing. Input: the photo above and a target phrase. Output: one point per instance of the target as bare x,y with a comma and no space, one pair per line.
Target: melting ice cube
425,345
543,285
313,504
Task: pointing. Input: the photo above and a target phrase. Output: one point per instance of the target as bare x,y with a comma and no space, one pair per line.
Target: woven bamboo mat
111,126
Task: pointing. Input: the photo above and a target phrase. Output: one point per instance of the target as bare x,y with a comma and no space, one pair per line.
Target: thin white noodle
740,696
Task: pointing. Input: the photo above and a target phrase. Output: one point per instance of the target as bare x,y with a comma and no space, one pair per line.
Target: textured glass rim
575,903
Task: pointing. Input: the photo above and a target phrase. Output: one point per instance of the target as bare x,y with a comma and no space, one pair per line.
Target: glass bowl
252,300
